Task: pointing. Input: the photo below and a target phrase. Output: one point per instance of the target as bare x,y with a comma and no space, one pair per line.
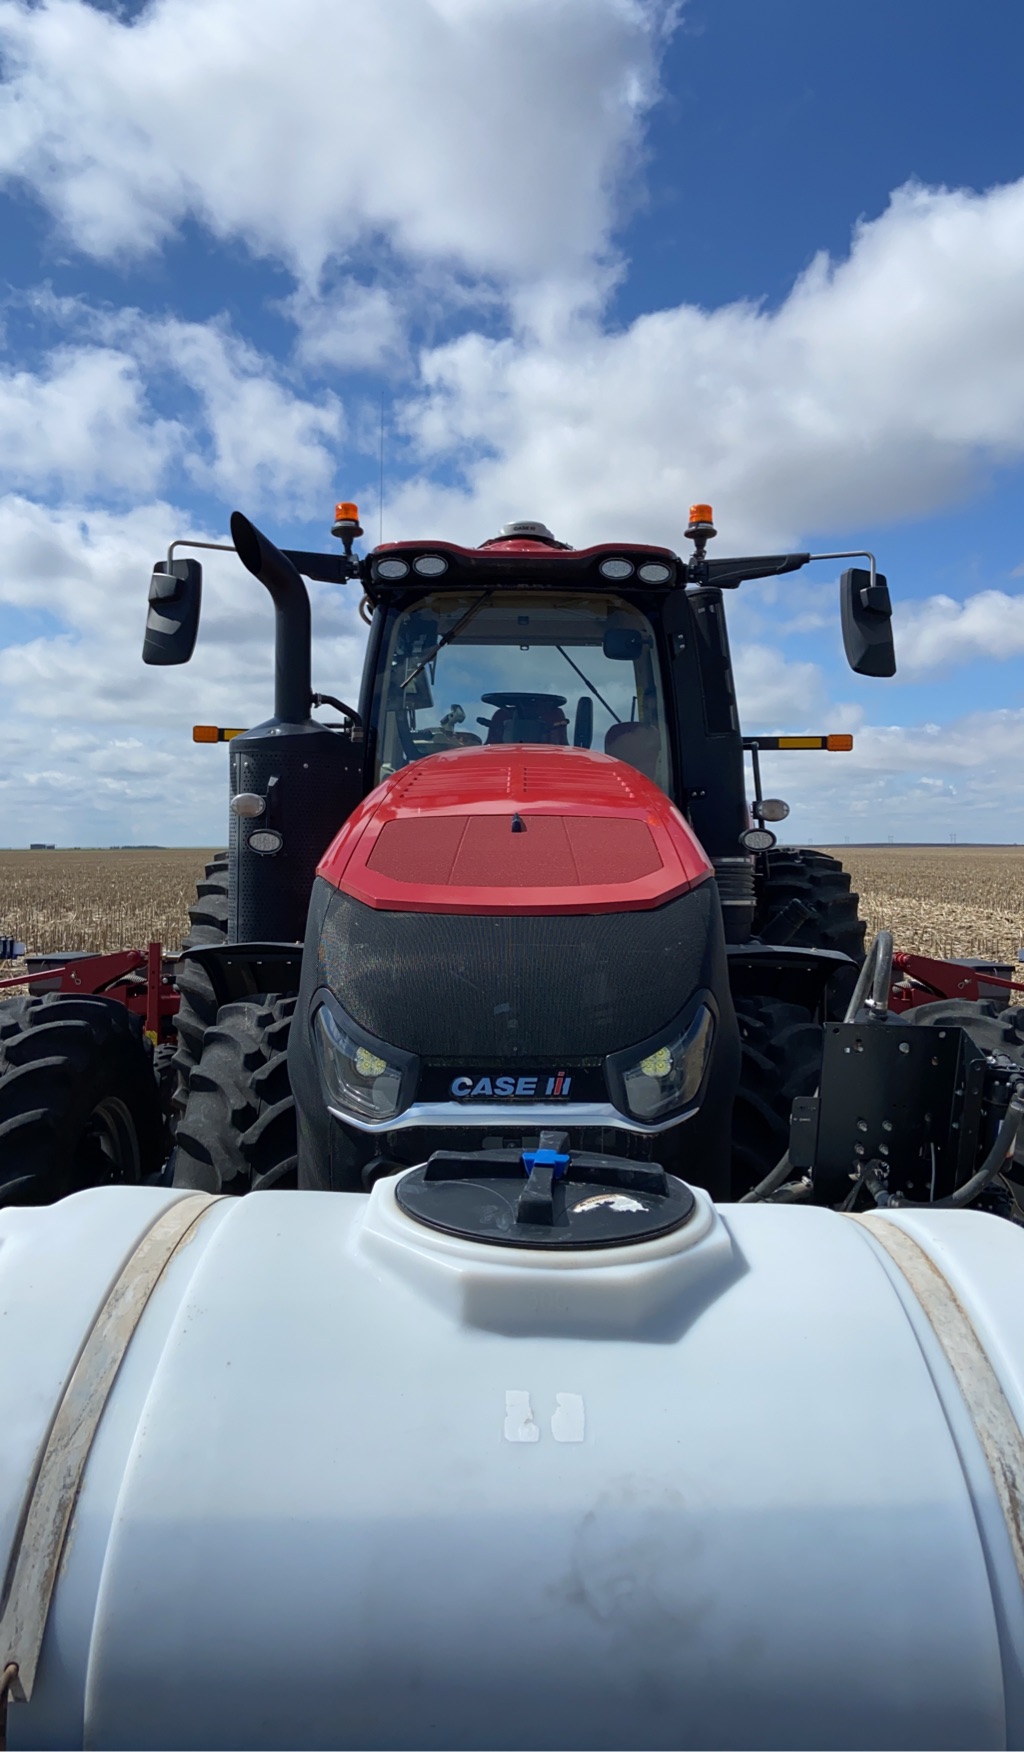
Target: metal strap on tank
58,1477
998,1430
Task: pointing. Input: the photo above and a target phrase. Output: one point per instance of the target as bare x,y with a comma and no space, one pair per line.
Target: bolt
904,1046
862,1125
887,1125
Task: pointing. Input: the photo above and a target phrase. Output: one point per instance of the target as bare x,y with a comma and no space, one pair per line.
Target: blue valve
552,1159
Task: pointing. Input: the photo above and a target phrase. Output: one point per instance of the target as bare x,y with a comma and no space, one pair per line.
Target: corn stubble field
941,900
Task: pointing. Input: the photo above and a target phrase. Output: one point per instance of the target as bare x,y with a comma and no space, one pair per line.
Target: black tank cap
549,1197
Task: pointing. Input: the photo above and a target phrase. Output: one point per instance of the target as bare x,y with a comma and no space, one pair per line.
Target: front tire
238,1131
79,1104
197,1008
780,1048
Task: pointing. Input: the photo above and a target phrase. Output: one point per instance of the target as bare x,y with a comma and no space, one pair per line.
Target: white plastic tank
332,1477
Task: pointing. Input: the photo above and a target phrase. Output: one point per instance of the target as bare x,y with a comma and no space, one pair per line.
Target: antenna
380,536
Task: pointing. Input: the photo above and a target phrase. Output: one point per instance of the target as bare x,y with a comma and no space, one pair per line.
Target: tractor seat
639,745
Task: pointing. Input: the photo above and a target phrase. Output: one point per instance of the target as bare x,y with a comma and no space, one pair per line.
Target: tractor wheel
165,1071
990,1026
780,1048
993,1028
79,1104
198,1006
237,1133
823,886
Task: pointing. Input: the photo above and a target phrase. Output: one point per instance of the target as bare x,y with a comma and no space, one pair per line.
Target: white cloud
349,327
264,443
492,133
940,632
775,695
92,739
83,422
85,419
914,781
873,393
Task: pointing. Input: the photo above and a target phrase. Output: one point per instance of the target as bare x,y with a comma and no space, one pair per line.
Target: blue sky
600,258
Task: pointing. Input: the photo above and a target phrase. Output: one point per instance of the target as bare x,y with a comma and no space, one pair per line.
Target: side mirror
867,622
622,644
175,595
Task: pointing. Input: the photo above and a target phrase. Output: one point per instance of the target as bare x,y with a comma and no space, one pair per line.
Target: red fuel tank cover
526,828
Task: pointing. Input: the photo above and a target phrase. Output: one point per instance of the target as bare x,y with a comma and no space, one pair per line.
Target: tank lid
545,1198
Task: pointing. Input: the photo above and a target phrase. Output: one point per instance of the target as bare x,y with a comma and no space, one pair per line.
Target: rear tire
994,1028
821,883
238,1130
79,1104
990,1025
780,1047
197,1009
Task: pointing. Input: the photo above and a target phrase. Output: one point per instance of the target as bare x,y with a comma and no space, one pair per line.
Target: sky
593,260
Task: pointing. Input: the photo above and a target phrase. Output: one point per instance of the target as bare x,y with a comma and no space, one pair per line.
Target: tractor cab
548,652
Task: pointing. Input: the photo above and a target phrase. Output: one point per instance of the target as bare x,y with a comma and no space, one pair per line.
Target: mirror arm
851,554
222,547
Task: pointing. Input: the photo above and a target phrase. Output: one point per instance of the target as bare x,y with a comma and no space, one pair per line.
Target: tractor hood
524,830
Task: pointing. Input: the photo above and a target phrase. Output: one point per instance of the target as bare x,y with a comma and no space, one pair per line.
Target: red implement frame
135,977
941,979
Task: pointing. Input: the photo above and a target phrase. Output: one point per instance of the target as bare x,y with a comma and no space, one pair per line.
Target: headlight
670,1076
360,1081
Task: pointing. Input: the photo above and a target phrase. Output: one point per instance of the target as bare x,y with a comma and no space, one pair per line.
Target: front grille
449,985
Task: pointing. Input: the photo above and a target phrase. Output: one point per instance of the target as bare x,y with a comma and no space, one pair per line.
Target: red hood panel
523,829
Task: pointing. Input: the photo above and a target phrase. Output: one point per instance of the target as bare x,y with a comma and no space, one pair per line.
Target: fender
240,970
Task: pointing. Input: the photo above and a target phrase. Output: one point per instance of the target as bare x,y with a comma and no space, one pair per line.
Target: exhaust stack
293,686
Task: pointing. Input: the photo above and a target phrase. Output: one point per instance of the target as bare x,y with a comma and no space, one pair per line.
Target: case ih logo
542,1087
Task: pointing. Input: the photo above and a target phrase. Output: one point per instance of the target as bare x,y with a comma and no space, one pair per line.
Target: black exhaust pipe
293,684
301,778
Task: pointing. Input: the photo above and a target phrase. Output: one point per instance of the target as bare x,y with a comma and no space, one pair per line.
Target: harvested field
941,900
948,901
96,900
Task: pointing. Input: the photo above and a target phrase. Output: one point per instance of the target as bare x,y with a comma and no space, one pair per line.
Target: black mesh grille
444,985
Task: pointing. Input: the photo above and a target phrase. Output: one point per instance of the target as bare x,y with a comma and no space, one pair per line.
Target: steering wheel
524,705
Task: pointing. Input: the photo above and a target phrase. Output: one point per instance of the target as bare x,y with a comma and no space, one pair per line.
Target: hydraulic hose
1005,1139
339,706
770,1183
876,973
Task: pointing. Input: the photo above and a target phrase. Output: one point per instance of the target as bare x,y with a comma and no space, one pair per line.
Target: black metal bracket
908,1098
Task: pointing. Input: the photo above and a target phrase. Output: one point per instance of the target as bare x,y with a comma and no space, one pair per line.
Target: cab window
519,666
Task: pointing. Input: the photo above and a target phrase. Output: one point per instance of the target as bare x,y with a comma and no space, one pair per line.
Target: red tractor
518,894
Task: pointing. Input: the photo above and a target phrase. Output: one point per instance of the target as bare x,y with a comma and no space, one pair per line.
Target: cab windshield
504,666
